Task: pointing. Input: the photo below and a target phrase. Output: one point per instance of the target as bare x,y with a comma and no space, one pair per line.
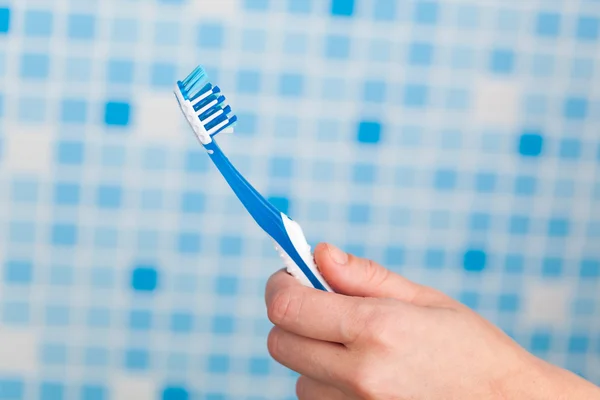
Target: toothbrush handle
287,234
302,266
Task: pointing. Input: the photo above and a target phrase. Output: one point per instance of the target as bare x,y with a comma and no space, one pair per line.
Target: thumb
355,276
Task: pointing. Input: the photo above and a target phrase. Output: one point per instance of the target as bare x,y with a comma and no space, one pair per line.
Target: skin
383,337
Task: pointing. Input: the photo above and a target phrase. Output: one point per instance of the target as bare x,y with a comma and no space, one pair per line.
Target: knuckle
284,307
364,381
302,388
373,321
273,343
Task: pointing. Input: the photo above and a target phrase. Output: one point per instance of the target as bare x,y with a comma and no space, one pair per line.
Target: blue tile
218,364
256,5
54,354
231,245
188,243
63,235
175,393
125,30
35,66
514,264
420,53
525,185
589,268
384,10
281,167
291,85
166,33
106,238
120,71
96,357
117,113
578,343
445,179
299,6
480,221
531,144
66,193
4,20
193,202
359,213
558,227
369,132
540,342
474,260
434,258
12,388
426,12
570,149
295,43
502,61
196,161
509,303
182,322
337,47
552,267
470,299
38,23
374,91
109,196
364,173
548,24
163,74
211,35
588,28
73,111
56,316
576,108
247,123
137,359
52,391
17,271
282,203
248,81
259,366
140,320
81,26
22,232
583,68
94,392
343,8
144,278
415,96
98,318
223,324
519,225
227,285
78,69
485,182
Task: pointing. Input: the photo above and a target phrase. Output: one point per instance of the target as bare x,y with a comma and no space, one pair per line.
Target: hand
381,336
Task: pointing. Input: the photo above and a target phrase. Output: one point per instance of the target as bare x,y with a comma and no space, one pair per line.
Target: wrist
539,379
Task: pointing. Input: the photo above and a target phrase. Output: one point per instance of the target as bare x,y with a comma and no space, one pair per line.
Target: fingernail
337,255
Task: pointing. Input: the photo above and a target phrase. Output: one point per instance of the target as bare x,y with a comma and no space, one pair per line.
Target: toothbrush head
203,106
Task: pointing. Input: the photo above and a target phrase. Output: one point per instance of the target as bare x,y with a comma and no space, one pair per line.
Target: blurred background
457,142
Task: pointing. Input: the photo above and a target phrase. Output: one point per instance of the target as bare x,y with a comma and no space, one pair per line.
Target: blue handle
262,211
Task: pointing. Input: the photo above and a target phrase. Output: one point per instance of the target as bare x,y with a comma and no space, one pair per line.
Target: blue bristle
205,101
215,122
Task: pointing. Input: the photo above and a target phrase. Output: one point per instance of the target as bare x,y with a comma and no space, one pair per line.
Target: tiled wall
455,141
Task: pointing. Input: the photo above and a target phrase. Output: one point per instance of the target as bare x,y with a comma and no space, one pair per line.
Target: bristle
207,102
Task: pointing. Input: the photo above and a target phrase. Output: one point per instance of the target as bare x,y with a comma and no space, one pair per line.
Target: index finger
315,313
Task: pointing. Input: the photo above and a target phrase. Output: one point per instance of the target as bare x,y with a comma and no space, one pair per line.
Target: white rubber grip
298,239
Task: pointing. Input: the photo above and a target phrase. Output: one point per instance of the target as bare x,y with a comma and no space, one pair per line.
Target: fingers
313,313
310,389
317,359
355,276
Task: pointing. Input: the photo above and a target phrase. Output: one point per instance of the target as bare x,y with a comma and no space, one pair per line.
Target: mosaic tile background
457,142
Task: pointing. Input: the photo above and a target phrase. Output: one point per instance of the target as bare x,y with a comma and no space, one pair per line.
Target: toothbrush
204,107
